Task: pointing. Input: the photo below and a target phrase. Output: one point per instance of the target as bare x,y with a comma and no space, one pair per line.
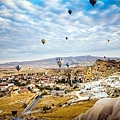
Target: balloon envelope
18,67
92,2
70,12
67,64
66,38
59,61
43,41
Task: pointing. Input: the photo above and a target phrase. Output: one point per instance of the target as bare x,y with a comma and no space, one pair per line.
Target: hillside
51,63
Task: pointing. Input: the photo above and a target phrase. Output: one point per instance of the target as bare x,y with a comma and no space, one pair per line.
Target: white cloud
9,3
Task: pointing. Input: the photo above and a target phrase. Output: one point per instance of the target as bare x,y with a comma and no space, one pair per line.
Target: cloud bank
23,23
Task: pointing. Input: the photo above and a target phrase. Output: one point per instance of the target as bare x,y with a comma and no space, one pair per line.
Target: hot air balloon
59,61
43,41
108,40
70,12
104,56
18,67
66,38
67,64
92,2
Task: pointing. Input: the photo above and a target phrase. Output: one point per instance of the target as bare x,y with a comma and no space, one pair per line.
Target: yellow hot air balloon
43,41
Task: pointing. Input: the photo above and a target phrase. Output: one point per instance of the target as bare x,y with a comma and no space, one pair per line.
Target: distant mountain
51,63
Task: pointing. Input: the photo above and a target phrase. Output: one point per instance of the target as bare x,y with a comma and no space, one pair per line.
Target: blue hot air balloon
18,67
59,61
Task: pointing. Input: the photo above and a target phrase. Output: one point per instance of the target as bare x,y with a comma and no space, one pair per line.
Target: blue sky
24,23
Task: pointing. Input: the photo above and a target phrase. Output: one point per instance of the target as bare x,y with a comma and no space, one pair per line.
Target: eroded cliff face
104,68
100,69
